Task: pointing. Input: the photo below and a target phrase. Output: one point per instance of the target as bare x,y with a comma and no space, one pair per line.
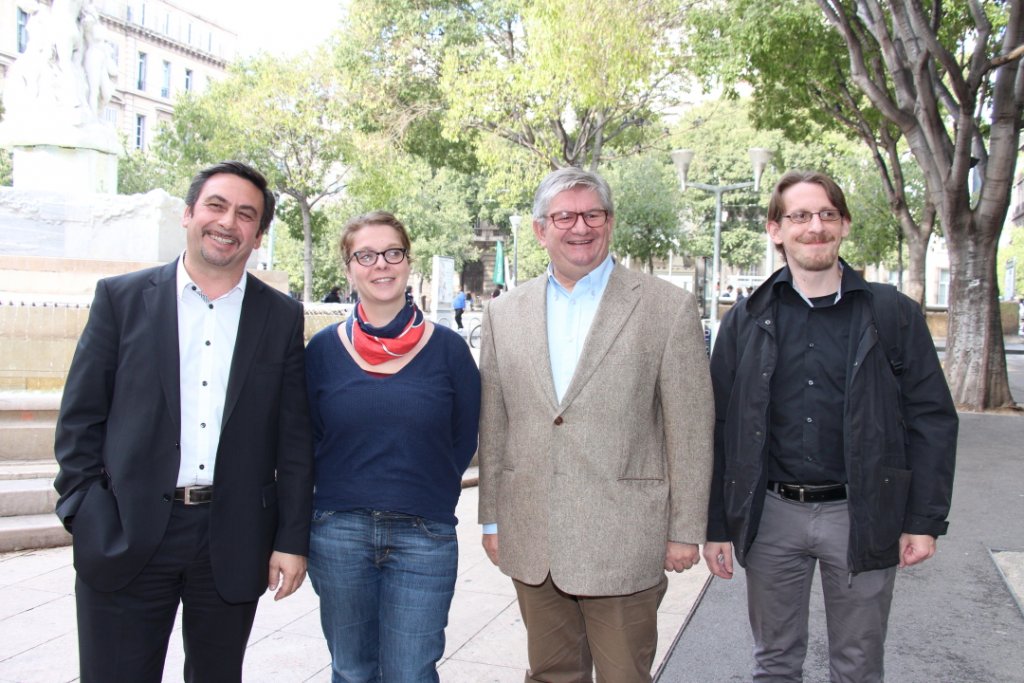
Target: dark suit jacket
118,436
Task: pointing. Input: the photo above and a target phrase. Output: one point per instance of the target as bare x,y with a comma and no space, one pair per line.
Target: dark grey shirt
809,385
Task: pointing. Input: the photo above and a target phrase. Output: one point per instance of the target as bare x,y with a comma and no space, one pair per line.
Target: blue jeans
385,582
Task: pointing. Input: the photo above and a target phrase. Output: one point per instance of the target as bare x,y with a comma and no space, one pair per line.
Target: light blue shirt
569,317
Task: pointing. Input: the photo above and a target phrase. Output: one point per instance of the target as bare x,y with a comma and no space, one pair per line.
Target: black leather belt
809,493
194,495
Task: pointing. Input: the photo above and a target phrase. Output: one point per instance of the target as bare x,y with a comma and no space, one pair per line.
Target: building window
140,131
165,87
188,80
142,71
22,33
942,291
167,24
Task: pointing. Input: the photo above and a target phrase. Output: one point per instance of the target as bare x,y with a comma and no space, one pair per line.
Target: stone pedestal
47,168
104,227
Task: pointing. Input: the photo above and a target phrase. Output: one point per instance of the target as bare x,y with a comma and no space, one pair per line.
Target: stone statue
57,90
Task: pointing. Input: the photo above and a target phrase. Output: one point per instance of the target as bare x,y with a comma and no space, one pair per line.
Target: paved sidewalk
957,618
486,639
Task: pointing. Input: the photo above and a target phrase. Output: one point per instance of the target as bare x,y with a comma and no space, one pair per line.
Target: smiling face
383,283
222,228
811,246
580,249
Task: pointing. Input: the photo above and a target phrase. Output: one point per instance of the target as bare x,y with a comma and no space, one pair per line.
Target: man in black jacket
835,442
186,459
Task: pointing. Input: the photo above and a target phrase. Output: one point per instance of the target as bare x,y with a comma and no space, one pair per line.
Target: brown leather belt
809,493
194,495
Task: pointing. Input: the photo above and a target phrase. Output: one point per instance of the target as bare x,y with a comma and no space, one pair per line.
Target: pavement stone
486,640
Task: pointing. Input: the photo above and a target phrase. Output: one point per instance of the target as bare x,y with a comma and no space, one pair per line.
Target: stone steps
27,423
26,532
27,499
27,469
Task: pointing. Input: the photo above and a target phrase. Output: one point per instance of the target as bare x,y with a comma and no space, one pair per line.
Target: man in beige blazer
595,442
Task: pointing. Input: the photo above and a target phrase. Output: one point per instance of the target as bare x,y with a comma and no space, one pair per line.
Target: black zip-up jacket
899,432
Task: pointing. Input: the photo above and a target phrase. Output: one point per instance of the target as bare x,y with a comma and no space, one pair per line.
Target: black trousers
123,635
458,317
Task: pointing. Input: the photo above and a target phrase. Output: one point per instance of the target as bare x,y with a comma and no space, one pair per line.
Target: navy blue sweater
397,443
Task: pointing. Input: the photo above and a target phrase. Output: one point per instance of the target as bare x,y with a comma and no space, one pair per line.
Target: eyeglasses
368,257
564,220
826,216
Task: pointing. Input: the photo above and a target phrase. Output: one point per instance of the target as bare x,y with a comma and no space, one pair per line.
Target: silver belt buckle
188,495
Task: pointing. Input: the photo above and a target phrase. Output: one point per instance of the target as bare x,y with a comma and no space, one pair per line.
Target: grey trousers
791,538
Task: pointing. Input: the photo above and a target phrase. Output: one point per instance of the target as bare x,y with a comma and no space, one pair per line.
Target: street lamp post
759,158
514,221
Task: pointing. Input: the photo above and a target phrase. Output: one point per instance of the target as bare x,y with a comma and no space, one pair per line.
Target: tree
287,117
647,208
946,78
951,83
574,82
799,72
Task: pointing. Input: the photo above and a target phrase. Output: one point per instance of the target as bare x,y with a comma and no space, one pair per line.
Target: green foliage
139,172
431,203
743,246
6,168
285,117
328,271
567,80
720,133
1012,249
533,258
647,206
571,81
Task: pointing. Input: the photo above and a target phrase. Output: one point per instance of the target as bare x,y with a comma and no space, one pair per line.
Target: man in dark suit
184,447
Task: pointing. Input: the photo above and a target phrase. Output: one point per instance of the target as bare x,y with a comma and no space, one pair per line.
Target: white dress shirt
206,343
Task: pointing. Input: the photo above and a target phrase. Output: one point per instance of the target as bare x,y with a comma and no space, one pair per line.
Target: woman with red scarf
394,403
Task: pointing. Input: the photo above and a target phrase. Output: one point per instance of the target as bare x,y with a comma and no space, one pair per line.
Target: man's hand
286,573
915,548
680,556
490,542
718,555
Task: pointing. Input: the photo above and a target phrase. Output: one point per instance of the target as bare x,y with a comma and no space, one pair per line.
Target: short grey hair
564,179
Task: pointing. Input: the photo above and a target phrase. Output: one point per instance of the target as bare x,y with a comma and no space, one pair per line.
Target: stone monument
54,100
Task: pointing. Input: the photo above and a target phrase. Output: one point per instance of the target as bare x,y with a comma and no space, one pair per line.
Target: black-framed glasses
368,257
826,216
564,220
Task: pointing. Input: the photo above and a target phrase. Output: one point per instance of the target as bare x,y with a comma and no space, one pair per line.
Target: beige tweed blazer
591,489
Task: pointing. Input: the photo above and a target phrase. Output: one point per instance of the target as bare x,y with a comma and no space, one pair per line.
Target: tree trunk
914,278
975,355
307,249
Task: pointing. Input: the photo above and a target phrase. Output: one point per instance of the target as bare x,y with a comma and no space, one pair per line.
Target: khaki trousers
568,636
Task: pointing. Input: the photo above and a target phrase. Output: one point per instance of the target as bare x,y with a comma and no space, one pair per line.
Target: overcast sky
284,28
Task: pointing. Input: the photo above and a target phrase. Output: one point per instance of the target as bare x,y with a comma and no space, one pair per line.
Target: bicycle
474,337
